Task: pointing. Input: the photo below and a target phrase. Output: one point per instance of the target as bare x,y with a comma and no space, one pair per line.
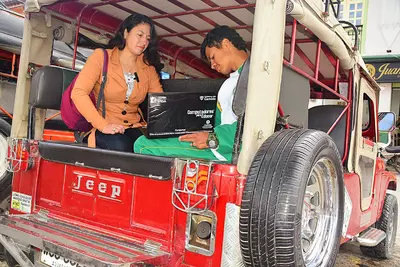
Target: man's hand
198,140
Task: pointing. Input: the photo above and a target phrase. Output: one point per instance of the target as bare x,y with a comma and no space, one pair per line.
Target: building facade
381,50
355,11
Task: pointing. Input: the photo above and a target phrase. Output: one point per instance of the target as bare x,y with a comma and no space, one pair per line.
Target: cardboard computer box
174,114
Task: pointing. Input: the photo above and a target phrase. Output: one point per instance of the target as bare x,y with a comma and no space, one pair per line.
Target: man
226,51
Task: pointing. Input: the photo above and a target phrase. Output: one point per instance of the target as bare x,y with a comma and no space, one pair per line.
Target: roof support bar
265,72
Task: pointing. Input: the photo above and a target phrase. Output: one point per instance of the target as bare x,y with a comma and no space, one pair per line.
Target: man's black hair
214,39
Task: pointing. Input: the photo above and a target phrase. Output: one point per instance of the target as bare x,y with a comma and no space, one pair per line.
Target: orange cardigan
114,91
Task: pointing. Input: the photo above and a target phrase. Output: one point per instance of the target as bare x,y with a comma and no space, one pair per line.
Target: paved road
350,255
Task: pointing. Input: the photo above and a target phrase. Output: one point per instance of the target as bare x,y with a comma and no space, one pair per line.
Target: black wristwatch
212,141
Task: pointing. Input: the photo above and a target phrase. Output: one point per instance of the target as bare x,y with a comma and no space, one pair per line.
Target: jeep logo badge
105,188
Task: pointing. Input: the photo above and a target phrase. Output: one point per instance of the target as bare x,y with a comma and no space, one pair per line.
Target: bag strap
80,136
101,98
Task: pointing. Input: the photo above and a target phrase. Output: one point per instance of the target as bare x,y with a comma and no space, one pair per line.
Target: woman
133,68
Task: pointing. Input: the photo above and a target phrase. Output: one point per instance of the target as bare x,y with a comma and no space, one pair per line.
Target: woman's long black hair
151,56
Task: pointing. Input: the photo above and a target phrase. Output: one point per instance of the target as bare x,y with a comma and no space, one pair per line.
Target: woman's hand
198,140
113,129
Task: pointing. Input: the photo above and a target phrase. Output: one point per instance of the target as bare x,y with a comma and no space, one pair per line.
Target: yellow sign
15,204
21,202
385,72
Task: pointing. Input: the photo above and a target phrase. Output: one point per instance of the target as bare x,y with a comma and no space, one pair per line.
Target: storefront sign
385,72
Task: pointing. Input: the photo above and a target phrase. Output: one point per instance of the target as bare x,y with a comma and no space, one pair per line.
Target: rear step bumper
86,247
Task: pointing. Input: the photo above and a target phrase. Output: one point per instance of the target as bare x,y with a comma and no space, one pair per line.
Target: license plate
55,260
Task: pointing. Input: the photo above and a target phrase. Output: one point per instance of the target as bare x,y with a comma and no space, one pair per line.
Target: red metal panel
352,183
79,202
92,196
151,207
120,203
50,187
141,208
25,182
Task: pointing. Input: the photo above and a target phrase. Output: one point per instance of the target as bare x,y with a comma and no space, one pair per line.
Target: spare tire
293,201
5,176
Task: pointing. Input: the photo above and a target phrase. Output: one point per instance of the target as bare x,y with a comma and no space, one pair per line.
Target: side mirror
386,124
386,121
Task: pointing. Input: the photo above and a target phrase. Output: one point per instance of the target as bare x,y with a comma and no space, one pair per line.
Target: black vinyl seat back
322,118
47,86
49,83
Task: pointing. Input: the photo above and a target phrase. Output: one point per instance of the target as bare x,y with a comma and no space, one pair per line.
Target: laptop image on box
177,113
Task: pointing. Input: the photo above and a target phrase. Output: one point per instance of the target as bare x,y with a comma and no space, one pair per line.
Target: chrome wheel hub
320,213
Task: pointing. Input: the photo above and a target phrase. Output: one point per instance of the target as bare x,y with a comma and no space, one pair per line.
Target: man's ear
125,33
225,43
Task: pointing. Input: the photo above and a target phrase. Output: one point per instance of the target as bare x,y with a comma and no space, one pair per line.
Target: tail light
193,190
21,154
